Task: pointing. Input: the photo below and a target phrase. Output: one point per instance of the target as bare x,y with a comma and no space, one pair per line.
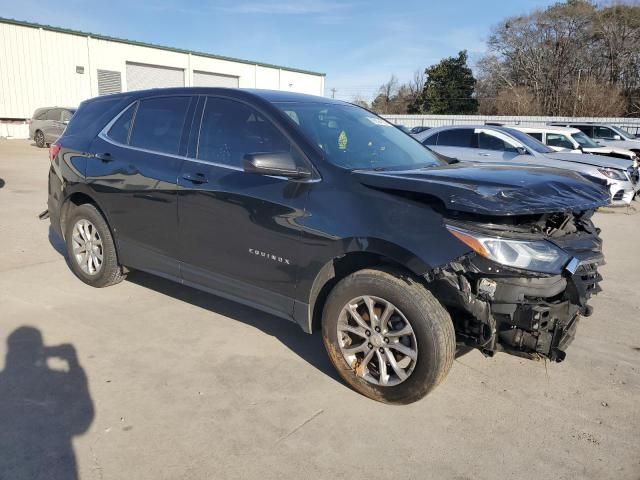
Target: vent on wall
109,81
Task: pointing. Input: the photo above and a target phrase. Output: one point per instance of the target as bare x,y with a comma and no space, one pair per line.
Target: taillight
54,148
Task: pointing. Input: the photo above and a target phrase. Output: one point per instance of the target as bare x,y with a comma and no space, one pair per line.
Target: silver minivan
47,124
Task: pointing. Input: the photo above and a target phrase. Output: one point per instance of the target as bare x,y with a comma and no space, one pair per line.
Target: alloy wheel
377,341
87,247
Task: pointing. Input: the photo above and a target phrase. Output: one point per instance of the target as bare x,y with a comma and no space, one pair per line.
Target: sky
358,44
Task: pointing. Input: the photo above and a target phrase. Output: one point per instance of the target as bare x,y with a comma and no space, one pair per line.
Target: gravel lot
182,384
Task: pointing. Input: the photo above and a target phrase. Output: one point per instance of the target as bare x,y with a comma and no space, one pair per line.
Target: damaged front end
525,285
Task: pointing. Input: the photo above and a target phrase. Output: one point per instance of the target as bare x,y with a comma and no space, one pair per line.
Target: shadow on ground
44,403
1,183
308,347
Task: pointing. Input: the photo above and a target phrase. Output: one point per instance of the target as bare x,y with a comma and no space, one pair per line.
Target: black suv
325,214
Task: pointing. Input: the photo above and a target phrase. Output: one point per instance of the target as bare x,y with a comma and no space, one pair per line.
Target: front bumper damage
528,314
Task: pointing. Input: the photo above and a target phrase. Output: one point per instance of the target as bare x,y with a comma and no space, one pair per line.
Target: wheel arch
347,263
77,198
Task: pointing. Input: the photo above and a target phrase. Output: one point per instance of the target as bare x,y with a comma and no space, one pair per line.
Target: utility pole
333,92
577,95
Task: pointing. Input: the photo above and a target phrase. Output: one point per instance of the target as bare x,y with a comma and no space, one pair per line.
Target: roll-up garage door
141,76
206,79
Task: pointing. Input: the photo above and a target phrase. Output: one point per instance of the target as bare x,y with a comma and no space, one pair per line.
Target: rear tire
430,336
90,247
39,138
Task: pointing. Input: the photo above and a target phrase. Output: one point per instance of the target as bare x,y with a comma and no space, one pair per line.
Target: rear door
239,234
52,126
134,173
456,143
493,146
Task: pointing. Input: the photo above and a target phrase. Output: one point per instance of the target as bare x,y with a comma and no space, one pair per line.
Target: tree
449,87
569,57
360,101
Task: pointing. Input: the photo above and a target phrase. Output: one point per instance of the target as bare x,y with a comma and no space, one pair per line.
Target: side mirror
522,151
280,164
617,137
65,122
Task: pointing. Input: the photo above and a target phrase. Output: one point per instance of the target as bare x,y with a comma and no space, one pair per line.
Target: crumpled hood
494,189
595,160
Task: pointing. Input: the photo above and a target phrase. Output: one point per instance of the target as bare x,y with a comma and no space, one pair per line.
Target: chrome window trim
104,136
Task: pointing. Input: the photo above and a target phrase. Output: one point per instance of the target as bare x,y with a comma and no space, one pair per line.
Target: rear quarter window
93,115
119,131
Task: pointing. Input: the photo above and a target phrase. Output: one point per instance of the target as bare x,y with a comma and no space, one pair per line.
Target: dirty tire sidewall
111,272
431,323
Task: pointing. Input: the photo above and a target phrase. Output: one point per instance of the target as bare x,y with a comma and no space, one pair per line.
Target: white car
563,139
504,145
605,134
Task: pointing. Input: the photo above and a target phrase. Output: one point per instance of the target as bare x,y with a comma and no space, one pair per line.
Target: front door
239,234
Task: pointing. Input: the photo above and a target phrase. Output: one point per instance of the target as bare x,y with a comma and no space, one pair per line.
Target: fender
84,190
316,281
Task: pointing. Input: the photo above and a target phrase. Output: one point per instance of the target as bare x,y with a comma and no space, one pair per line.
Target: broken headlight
535,255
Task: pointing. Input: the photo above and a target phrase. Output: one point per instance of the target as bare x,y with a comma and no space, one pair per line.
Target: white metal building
42,66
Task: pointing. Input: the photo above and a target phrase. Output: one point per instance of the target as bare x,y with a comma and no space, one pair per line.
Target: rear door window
159,124
559,140
586,129
603,132
53,114
489,142
537,136
66,115
459,137
231,129
431,141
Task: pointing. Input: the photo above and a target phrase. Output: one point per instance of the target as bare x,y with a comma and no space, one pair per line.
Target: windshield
529,142
354,138
584,141
624,133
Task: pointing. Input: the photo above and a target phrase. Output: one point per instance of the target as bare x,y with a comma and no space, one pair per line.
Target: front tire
387,336
90,247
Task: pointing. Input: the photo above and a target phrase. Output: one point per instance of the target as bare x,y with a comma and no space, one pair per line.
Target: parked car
492,144
605,134
573,140
327,215
420,129
47,124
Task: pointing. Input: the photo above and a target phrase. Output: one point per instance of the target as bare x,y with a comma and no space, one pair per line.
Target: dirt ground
165,382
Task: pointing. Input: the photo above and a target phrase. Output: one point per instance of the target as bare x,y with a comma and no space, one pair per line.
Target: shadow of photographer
44,403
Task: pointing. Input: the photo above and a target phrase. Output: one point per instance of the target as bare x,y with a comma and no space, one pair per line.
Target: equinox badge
269,256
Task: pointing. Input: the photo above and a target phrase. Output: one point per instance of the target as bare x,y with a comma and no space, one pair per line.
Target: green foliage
449,88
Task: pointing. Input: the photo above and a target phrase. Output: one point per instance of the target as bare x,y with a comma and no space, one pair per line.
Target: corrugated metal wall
630,124
40,67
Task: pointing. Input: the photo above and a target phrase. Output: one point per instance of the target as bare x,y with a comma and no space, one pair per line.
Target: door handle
485,154
197,178
105,157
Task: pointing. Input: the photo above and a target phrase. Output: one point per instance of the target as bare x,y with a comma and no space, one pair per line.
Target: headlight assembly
535,255
612,174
